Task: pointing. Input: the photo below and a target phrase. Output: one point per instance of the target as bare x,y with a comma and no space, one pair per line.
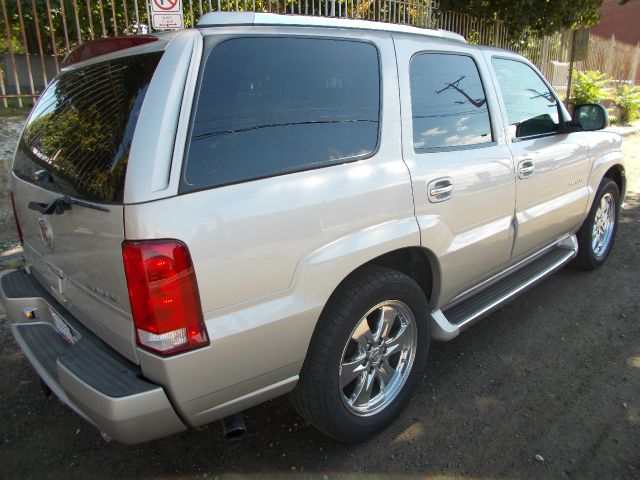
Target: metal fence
35,35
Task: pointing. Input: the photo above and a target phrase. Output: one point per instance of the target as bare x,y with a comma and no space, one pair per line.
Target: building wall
621,21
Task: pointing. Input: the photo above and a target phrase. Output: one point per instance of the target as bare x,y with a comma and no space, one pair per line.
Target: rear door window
448,103
78,137
270,106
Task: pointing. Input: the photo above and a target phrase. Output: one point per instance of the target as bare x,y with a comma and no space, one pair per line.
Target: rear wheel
367,355
598,232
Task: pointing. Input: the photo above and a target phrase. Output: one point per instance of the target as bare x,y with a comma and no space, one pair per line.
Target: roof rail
219,19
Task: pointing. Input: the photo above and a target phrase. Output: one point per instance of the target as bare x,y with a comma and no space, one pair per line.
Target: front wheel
367,355
598,232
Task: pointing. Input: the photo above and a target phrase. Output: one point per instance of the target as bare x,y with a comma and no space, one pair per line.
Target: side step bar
448,322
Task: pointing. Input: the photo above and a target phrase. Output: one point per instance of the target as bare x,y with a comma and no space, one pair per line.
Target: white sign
166,14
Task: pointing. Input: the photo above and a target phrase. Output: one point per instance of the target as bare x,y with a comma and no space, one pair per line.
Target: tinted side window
269,106
531,107
79,134
448,103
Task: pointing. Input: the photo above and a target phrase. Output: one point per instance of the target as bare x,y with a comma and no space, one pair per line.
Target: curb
625,131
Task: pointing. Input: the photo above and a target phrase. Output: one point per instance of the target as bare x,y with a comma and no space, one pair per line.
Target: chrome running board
448,322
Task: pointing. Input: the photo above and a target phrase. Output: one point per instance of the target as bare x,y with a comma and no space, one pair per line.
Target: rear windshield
79,135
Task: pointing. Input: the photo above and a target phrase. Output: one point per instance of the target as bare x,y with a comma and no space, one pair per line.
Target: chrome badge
45,232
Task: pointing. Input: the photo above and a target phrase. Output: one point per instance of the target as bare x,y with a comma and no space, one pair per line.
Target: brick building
621,21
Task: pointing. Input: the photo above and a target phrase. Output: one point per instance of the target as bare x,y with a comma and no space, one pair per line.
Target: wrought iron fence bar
39,40
137,15
148,16
102,23
77,19
3,90
64,26
12,57
53,36
126,17
90,19
25,46
113,18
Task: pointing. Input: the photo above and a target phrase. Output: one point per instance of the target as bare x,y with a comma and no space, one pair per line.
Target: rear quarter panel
268,254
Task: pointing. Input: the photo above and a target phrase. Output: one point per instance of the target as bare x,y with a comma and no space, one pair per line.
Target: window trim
184,187
453,148
561,118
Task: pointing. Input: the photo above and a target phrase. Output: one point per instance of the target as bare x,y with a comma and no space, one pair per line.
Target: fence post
634,64
608,66
572,57
544,57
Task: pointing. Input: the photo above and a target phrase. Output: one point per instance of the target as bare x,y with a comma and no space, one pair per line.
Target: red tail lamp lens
163,291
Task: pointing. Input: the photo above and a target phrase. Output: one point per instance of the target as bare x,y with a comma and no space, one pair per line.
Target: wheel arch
418,263
618,174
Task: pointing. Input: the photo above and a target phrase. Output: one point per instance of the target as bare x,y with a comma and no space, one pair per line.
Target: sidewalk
626,130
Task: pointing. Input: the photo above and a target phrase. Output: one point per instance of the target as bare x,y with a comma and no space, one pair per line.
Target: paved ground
556,374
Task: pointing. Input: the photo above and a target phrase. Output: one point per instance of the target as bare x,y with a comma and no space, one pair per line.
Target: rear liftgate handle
60,205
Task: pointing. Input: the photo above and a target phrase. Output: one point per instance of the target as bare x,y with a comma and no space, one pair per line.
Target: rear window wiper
61,205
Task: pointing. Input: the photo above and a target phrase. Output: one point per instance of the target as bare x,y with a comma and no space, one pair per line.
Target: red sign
165,4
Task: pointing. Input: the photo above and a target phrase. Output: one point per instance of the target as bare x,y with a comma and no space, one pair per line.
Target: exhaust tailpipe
233,427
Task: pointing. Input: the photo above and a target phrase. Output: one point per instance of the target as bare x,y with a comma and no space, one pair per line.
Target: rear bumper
87,375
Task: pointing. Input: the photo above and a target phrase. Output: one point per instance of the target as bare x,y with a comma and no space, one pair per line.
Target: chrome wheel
377,359
603,225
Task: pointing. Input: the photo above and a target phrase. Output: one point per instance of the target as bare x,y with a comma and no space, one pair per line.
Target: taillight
15,216
164,296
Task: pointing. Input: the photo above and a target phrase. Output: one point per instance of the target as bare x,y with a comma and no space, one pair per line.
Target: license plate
62,328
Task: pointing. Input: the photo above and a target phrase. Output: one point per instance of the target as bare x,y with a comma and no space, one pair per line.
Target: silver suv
268,204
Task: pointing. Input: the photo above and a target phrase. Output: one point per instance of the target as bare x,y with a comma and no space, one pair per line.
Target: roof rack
219,19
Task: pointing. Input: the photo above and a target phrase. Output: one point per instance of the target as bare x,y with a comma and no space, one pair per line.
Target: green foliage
590,87
539,17
628,99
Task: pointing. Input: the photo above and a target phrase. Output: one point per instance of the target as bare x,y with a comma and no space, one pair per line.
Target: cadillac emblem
45,232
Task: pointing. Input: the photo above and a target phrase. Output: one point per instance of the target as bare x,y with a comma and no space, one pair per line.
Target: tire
367,355
598,232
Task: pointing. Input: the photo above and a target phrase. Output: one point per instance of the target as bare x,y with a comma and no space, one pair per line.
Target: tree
539,17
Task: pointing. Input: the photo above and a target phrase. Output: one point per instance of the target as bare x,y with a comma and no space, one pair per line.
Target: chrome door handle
440,189
526,168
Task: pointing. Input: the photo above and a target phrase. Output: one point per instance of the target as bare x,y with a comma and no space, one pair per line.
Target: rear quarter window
78,137
270,106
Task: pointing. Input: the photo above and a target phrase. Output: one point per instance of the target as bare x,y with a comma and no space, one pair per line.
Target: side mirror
590,117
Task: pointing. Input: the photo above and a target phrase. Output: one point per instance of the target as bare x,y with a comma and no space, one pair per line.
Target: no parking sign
166,14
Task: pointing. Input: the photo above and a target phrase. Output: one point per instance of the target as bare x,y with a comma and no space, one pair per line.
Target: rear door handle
440,189
526,168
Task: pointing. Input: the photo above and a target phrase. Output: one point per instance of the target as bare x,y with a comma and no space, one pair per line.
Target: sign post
166,14
579,50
